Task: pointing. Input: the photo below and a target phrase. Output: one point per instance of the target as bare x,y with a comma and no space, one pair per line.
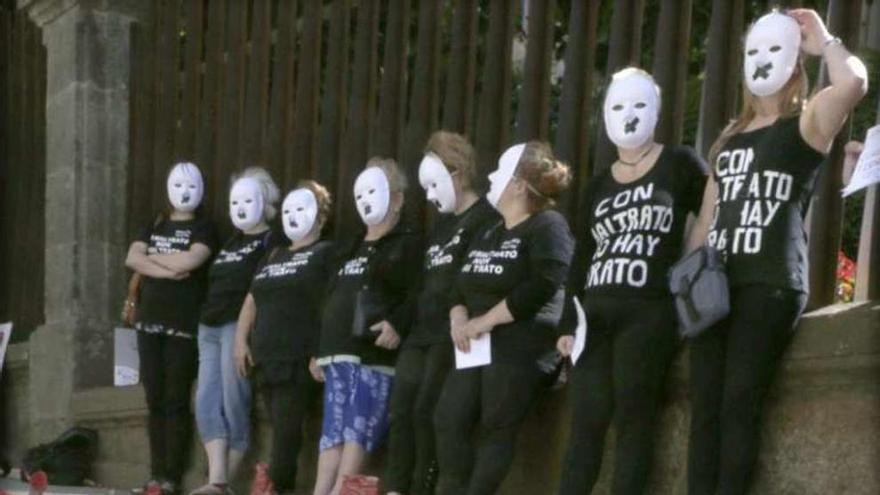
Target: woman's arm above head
184,261
826,112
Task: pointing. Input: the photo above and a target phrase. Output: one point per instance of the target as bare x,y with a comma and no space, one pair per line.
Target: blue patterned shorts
356,401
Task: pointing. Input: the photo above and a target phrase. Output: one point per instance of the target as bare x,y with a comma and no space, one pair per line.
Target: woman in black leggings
171,255
280,320
764,167
448,174
635,213
508,296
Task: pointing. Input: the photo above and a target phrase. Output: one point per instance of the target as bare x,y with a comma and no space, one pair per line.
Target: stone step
13,486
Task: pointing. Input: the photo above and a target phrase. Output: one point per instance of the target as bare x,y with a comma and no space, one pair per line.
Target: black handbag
368,310
698,283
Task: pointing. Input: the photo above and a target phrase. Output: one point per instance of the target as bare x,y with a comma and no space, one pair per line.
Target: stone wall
822,434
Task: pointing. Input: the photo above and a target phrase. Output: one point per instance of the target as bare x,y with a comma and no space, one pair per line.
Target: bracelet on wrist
832,40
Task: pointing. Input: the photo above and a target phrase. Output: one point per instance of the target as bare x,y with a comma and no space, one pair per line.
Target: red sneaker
359,484
262,484
38,482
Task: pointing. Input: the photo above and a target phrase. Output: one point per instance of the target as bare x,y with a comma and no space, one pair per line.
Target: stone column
87,159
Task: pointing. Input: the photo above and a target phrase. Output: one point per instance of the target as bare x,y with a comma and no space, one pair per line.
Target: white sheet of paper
479,355
5,335
126,361
867,170
580,333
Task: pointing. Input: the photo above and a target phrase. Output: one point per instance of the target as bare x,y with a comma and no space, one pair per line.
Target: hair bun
554,179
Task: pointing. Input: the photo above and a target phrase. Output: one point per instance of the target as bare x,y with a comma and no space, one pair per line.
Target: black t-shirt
443,259
389,268
230,274
289,289
172,306
765,180
526,265
634,231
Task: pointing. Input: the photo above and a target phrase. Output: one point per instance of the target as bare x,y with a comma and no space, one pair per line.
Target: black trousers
494,398
418,381
621,376
287,403
168,366
732,367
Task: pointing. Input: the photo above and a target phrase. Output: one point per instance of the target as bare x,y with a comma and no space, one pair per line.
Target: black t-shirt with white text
172,306
634,231
230,275
765,180
526,266
289,289
443,260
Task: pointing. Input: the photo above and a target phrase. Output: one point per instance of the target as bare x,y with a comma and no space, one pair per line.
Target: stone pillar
87,159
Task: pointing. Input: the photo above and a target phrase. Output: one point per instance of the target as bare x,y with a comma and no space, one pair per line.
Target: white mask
500,178
437,182
246,203
771,53
185,187
372,195
631,109
298,213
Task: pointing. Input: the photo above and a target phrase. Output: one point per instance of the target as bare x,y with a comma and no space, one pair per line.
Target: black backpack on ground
67,460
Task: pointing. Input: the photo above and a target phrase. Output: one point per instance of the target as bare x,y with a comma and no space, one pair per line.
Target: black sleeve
405,277
585,246
205,233
145,233
693,172
550,250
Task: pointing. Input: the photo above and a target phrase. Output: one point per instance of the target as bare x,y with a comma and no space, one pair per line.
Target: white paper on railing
867,170
479,355
126,361
580,333
5,335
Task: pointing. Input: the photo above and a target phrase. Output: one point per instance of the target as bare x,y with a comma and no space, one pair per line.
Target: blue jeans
223,398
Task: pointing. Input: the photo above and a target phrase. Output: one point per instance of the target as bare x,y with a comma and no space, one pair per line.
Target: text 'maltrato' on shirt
765,180
230,274
634,232
443,259
289,288
172,306
527,266
390,269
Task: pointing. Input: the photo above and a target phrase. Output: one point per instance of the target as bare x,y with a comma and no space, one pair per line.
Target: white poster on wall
126,362
867,172
5,335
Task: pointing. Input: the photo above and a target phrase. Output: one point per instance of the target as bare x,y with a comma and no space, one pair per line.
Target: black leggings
496,398
287,403
732,367
418,381
630,344
168,367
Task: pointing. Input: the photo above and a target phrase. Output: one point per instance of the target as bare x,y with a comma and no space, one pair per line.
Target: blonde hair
322,197
546,177
397,181
794,96
271,193
456,153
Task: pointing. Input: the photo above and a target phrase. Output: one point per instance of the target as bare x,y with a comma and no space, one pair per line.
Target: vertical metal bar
192,69
257,98
461,70
282,98
333,106
308,79
670,67
386,137
212,102
533,114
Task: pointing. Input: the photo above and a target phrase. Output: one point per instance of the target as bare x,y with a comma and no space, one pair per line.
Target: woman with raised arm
223,398
635,214
280,321
764,168
508,296
171,254
367,313
448,173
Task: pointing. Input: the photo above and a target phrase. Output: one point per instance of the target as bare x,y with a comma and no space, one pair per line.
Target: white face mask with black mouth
299,213
772,49
437,183
631,110
185,187
501,177
372,195
246,204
